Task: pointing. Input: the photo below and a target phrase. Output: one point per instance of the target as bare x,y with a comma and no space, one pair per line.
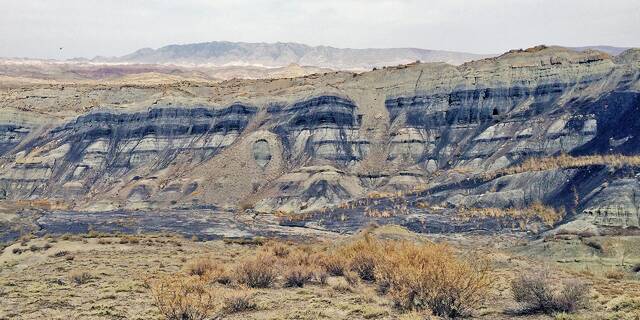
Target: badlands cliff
436,136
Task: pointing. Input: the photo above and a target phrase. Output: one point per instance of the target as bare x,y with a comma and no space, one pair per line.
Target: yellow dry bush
258,272
180,297
567,161
209,270
362,256
537,211
431,277
331,263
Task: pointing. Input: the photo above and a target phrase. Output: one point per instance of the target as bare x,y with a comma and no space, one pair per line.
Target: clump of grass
297,276
258,272
103,241
185,298
566,161
614,274
209,269
278,249
624,303
535,212
239,301
536,294
80,277
202,266
332,263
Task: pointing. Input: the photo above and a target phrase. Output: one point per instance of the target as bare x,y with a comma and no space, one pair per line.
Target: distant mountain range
222,53
614,51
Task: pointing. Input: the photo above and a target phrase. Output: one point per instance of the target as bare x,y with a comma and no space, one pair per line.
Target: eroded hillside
419,138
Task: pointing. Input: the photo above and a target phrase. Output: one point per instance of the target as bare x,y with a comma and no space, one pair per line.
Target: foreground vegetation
416,277
385,273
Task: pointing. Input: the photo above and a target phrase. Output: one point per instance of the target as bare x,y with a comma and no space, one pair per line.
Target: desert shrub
239,302
571,297
342,288
185,298
362,256
24,240
17,250
203,266
258,272
636,267
278,249
333,264
297,276
614,274
431,277
536,294
623,303
80,277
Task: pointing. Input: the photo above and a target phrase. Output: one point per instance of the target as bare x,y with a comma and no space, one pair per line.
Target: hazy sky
86,28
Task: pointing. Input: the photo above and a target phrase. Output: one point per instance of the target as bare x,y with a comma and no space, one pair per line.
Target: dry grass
536,294
430,277
614,274
566,161
80,277
523,216
333,264
119,288
362,256
258,272
414,276
185,298
239,301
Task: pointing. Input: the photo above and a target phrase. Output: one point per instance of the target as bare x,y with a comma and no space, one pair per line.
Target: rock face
431,133
99,147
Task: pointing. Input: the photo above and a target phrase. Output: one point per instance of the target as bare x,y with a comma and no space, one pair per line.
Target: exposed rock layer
304,144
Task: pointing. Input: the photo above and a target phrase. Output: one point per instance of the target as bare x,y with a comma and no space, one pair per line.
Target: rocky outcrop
425,133
323,128
94,150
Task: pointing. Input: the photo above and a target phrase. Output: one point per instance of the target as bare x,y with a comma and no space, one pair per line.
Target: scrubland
380,273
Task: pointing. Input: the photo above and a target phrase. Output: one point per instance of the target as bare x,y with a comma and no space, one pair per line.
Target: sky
88,28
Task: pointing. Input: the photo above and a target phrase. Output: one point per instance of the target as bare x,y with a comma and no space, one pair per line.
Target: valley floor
101,276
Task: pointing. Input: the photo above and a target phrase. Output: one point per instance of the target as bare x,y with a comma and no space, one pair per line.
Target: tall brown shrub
431,277
184,298
362,256
258,272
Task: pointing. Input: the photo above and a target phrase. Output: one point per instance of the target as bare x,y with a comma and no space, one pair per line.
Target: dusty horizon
70,29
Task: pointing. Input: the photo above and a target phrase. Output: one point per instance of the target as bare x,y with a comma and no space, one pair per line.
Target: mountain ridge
284,53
